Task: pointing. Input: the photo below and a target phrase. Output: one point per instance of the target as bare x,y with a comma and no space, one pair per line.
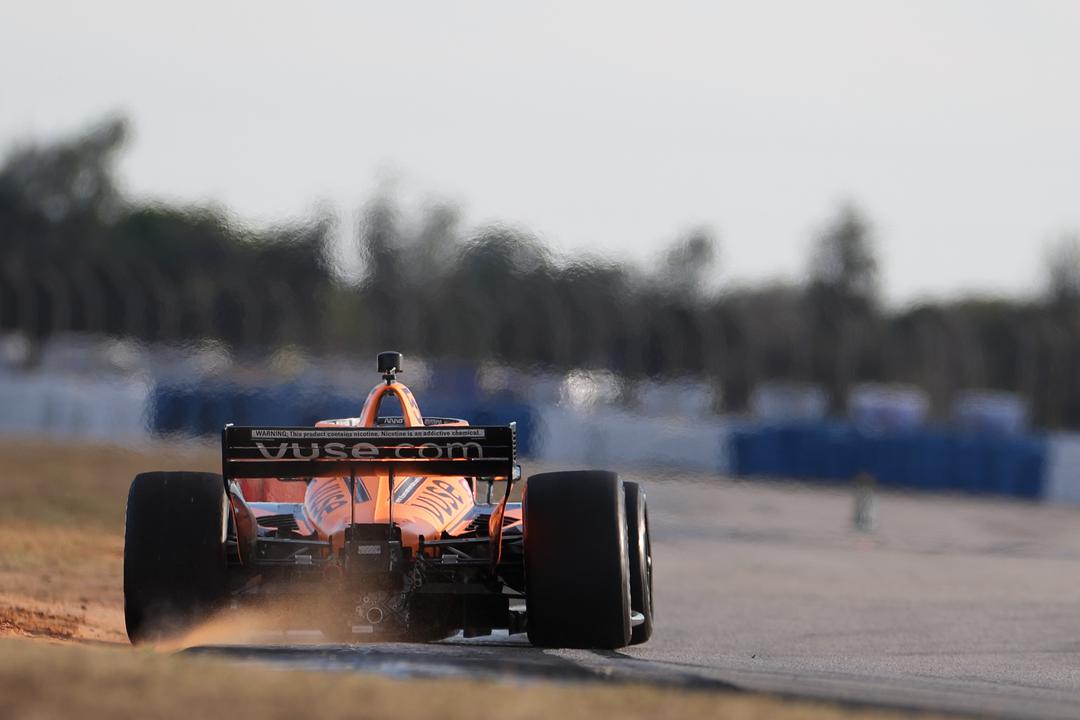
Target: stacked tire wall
939,460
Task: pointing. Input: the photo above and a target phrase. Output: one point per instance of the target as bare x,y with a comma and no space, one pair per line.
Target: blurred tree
687,264
842,299
128,268
384,288
601,305
71,183
843,260
435,245
1057,391
381,245
55,201
1062,263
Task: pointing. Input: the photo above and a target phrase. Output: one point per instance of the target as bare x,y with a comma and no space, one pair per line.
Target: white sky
604,127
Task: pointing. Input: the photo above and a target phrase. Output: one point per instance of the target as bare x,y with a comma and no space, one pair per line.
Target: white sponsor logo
363,451
295,451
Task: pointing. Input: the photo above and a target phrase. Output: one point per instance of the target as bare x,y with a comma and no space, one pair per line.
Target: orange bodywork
426,507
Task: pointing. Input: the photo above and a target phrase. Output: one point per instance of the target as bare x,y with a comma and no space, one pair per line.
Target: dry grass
84,486
61,532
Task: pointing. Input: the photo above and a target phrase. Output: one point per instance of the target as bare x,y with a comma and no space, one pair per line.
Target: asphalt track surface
953,604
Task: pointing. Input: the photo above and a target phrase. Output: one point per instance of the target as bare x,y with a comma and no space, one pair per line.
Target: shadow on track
491,658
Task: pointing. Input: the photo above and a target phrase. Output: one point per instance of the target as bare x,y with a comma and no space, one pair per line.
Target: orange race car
390,523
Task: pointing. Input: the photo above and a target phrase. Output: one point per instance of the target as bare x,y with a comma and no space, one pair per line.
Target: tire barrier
922,459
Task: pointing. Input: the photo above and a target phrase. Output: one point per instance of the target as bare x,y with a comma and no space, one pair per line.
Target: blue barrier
925,459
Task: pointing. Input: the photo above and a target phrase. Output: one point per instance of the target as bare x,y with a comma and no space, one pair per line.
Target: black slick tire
639,549
174,552
577,578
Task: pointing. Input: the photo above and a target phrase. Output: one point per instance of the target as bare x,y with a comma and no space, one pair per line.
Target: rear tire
577,578
174,552
640,552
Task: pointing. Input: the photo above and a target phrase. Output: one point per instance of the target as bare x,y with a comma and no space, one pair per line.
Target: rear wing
303,452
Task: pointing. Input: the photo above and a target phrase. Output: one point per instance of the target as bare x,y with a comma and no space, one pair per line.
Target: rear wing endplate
303,452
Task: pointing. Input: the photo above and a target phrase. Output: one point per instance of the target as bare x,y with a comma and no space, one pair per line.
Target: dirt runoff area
61,533
63,649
